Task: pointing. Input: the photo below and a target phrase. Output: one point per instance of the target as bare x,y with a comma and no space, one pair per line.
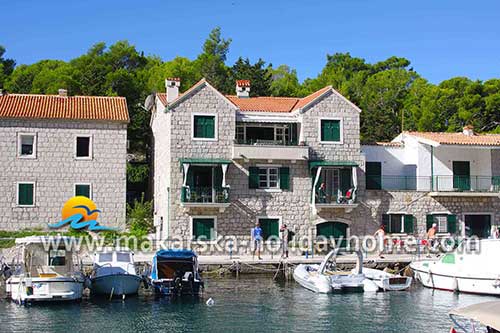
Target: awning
252,118
204,161
315,164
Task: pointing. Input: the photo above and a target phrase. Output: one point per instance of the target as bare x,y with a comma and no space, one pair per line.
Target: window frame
265,217
85,184
91,150
17,194
341,129
19,145
268,188
216,126
191,227
402,222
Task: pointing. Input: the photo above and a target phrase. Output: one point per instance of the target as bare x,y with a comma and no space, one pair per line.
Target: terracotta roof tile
459,138
384,144
265,104
59,107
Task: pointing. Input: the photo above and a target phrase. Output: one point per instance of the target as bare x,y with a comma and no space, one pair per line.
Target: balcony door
461,175
201,181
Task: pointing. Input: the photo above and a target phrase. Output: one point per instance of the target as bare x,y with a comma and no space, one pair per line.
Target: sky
441,38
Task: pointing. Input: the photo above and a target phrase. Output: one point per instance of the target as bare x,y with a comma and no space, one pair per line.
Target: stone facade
55,171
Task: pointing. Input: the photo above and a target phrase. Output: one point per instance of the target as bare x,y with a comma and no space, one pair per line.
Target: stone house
421,178
224,162
53,147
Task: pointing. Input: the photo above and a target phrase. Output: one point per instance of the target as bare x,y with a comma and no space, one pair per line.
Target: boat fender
210,302
455,284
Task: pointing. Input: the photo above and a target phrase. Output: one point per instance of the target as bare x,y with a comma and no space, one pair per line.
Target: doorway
478,225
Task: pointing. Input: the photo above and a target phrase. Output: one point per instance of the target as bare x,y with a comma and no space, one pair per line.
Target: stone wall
55,171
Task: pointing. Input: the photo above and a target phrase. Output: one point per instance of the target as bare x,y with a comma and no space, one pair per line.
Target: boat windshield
171,269
57,258
105,257
122,257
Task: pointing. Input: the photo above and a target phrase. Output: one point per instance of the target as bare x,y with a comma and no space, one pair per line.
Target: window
446,223
105,257
83,190
270,227
398,223
204,127
57,258
331,130
373,175
122,257
27,145
268,178
26,194
83,147
204,228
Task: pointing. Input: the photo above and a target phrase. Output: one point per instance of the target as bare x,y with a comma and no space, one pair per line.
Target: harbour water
247,304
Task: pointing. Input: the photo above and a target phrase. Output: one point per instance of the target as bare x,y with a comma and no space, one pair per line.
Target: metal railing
207,195
449,183
340,198
263,142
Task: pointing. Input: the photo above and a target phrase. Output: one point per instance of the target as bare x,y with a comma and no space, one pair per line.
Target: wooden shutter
385,222
253,177
203,227
26,194
330,130
409,224
285,178
345,179
335,130
452,224
429,221
209,127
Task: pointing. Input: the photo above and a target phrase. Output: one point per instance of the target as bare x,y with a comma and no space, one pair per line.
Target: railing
448,183
262,142
341,198
205,194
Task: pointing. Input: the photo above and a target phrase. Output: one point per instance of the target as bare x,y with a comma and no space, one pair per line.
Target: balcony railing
340,198
447,183
205,195
262,142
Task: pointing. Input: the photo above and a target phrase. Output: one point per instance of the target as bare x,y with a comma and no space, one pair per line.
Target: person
284,240
380,237
257,239
322,193
431,237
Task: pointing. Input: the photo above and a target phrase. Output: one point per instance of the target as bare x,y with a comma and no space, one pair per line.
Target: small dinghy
387,281
175,273
326,278
114,274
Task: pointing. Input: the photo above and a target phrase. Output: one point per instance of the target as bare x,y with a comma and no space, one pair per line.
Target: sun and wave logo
80,212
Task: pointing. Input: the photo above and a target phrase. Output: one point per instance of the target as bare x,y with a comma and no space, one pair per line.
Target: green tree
284,82
258,74
212,60
6,66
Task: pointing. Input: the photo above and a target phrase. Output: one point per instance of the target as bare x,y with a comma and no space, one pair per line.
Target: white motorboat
472,268
46,270
114,274
482,317
326,278
387,281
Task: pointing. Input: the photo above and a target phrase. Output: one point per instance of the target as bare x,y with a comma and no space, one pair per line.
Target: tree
6,66
284,82
212,60
259,76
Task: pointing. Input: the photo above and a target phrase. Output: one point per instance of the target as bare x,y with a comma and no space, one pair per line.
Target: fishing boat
470,268
175,272
482,317
114,274
326,278
387,281
46,270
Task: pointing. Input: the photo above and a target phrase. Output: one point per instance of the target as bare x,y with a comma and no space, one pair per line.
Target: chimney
63,92
172,85
468,130
243,88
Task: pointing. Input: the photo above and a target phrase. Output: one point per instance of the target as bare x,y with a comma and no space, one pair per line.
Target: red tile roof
384,144
59,107
459,138
243,83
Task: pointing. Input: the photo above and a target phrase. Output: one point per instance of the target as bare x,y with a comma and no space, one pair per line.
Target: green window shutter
373,175
253,177
270,227
210,127
409,223
330,130
284,178
452,224
217,176
203,228
385,222
26,194
335,128
82,190
204,127
345,179
429,221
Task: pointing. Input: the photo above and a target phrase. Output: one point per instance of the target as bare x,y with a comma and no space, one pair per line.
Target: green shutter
284,178
345,179
203,228
429,221
204,127
335,129
330,130
82,190
270,227
217,176
210,127
452,223
409,223
253,177
26,194
385,222
373,175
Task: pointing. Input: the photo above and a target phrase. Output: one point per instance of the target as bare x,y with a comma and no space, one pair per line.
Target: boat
470,268
114,274
175,272
326,278
46,270
387,281
481,317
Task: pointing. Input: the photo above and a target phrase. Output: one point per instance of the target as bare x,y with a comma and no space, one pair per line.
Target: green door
373,175
270,227
461,175
333,229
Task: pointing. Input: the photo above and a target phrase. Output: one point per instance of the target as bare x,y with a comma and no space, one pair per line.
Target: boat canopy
167,262
175,254
486,313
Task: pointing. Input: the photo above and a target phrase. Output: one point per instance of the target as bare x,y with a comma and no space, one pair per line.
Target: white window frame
280,223
267,188
341,120
17,193
91,144
19,145
216,127
402,231
191,231
88,184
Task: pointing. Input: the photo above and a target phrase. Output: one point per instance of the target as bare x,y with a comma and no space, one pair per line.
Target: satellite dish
150,101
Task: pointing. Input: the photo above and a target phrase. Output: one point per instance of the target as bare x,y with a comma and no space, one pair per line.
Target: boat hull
116,284
386,281
22,290
171,289
308,277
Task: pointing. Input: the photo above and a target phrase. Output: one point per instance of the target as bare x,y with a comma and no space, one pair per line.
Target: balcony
205,197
